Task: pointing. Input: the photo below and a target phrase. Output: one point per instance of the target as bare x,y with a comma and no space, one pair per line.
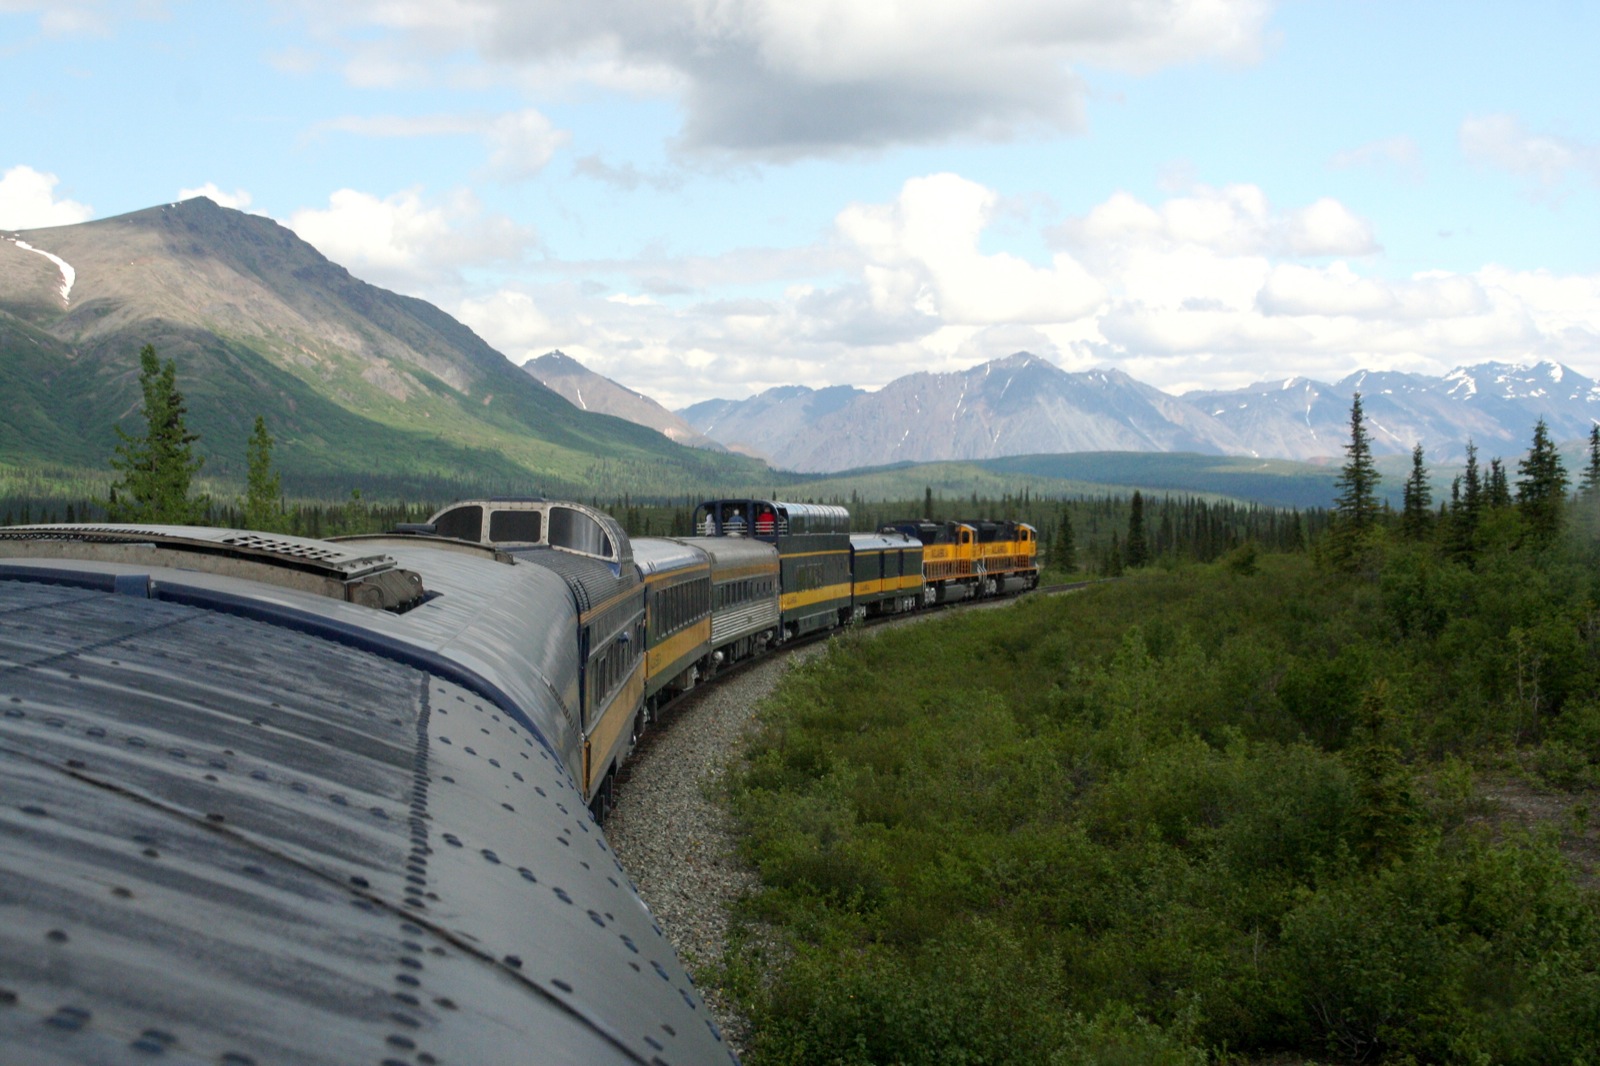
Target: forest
1326,803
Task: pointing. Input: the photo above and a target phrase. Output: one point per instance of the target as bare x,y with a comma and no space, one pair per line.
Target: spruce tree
1138,550
1497,493
1466,508
1589,486
264,489
1066,543
1416,514
1472,489
1542,489
156,469
1356,506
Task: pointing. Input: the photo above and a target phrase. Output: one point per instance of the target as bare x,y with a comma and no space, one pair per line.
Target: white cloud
405,242
1397,155
1503,142
1231,220
65,18
511,323
1207,287
1327,227
922,255
239,199
521,143
28,201
1292,289
781,79
518,143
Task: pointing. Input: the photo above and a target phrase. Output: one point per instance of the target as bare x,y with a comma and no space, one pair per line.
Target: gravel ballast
676,843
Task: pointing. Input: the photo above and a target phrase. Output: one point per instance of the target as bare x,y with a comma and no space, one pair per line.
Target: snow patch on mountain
68,275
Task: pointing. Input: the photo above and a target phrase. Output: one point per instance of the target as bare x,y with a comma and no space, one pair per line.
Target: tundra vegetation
1251,810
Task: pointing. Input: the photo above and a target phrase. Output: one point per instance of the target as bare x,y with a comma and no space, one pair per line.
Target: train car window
579,532
462,523
515,526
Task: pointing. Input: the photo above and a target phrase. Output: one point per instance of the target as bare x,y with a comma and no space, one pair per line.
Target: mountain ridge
926,417
356,382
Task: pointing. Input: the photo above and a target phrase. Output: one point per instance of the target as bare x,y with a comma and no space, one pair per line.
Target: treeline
1090,535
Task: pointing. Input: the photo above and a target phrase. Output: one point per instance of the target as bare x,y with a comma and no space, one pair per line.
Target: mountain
1013,406
1494,405
769,423
361,386
589,391
1024,405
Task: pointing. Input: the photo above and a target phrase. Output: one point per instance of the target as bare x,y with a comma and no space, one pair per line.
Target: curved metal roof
229,837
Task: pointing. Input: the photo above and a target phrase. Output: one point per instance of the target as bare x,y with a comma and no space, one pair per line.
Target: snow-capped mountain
1493,405
1026,405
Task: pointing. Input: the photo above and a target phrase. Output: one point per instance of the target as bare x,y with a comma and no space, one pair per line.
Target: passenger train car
271,799
275,800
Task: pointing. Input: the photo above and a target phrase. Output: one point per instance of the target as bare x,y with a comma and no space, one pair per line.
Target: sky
708,198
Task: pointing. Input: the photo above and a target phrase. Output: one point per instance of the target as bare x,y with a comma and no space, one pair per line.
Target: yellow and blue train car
813,542
678,596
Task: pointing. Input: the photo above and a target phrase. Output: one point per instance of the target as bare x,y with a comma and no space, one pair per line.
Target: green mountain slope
360,385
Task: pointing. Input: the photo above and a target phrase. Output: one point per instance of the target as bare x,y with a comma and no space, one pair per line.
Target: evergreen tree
1471,489
1496,493
1066,543
1356,506
1138,550
264,490
157,468
1416,513
1589,485
1385,809
1466,507
1542,489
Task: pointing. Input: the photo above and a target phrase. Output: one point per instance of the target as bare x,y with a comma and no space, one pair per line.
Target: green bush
1194,815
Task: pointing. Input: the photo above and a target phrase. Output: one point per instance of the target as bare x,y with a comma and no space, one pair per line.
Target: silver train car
272,800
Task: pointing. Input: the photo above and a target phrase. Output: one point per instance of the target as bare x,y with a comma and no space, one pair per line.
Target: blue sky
706,198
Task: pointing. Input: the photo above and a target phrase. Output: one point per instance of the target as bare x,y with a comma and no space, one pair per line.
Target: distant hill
589,391
1024,405
360,385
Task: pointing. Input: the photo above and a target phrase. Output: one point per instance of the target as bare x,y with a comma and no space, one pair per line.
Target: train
274,799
